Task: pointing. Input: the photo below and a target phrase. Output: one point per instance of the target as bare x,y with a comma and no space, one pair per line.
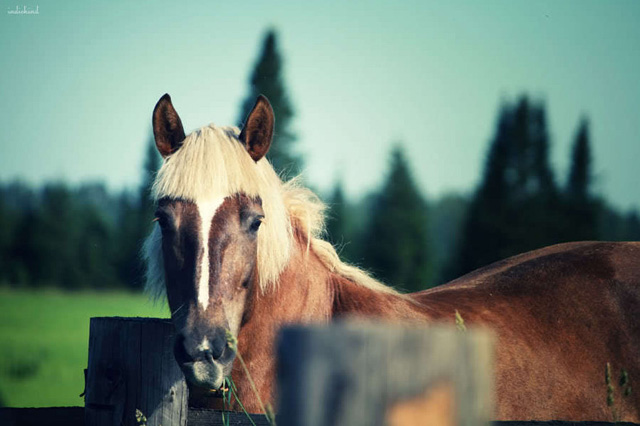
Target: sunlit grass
44,337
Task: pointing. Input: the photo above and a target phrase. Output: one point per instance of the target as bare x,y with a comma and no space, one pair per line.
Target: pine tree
516,207
581,206
485,237
395,244
541,213
580,175
267,79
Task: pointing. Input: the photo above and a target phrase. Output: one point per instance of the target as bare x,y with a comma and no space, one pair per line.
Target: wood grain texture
131,367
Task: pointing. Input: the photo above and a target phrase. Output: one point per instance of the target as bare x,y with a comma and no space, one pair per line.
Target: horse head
203,250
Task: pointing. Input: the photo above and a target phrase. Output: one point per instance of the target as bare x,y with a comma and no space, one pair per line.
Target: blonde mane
306,210
212,163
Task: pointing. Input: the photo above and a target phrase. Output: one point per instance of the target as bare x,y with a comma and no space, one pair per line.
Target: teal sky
79,81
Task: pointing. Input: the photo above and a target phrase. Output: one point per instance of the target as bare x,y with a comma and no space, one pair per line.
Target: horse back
561,314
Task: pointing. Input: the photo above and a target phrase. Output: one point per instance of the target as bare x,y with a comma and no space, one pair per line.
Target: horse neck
310,291
302,295
307,292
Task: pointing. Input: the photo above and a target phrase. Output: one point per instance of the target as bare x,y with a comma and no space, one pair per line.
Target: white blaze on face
206,209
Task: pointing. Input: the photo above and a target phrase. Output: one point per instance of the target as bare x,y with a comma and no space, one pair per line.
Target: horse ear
257,132
167,127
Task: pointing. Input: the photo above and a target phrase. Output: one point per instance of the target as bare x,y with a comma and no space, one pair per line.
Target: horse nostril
208,355
218,345
210,349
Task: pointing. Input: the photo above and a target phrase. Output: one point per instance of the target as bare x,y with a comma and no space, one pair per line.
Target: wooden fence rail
74,416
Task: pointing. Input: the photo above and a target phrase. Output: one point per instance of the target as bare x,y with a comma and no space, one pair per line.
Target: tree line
87,237
75,237
519,205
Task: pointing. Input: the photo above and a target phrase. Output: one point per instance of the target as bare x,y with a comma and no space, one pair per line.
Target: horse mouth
207,376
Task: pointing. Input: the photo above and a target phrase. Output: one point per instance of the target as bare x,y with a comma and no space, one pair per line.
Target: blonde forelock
213,164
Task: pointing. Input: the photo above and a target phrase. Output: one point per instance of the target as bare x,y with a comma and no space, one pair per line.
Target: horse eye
255,225
162,219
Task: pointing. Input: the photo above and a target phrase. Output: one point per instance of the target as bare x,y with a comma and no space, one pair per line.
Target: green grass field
44,339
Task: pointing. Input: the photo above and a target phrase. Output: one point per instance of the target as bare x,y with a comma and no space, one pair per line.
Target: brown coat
560,313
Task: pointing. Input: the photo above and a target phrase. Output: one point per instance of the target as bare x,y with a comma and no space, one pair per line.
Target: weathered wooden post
381,374
132,373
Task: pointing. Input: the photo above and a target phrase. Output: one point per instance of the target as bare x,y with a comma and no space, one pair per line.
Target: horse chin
204,374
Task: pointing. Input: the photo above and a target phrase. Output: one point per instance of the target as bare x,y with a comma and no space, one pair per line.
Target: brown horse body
238,255
560,313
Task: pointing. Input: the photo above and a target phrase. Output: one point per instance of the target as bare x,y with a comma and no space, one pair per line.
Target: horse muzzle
203,374
206,364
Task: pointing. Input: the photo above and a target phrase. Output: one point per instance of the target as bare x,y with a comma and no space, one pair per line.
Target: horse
237,252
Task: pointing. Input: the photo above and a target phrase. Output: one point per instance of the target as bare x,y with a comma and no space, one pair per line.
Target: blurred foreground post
132,373
380,374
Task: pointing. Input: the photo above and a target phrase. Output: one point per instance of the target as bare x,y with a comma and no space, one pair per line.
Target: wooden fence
364,374
340,374
74,416
131,367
